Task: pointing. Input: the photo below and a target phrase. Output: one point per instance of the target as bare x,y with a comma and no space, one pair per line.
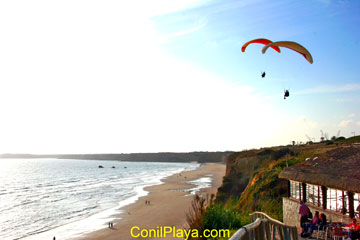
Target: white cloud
345,123
330,89
347,100
352,115
307,123
182,33
161,7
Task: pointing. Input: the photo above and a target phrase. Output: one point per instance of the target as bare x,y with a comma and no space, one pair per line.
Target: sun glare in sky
169,76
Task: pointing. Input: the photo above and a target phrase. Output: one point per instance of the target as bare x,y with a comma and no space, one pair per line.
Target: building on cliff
329,184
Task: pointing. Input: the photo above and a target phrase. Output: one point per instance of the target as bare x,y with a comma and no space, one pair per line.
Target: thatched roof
338,168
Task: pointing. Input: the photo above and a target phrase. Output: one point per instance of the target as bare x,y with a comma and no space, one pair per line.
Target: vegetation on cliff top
251,181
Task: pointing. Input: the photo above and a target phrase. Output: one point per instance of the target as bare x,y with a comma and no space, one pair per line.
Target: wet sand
168,206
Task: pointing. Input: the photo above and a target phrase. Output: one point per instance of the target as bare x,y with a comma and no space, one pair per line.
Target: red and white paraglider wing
259,40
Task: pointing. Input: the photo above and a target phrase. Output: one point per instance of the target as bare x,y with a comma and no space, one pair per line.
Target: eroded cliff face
251,182
240,167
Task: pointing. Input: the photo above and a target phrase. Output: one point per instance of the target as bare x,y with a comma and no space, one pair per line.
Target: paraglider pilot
286,94
263,74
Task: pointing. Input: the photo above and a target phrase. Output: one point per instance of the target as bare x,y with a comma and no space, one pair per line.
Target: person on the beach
54,238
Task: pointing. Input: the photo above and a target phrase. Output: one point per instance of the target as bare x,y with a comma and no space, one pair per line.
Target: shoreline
76,228
169,203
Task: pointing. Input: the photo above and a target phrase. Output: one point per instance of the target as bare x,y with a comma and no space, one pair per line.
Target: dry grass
198,206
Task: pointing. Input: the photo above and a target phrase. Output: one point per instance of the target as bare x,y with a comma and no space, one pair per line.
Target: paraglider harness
286,94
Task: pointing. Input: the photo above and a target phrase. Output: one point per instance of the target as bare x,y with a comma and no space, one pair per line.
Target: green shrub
219,217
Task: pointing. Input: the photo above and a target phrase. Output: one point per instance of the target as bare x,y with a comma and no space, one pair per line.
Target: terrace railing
264,227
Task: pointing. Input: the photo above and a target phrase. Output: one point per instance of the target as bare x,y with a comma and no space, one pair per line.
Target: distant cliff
200,157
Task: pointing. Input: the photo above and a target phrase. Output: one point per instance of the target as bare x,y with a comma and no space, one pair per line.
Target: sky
169,75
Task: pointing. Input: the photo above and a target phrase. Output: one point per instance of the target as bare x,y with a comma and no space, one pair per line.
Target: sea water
42,198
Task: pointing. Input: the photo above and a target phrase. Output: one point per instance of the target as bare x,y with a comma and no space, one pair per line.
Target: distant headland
200,157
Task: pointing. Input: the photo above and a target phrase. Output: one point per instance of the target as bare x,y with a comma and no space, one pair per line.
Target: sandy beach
168,206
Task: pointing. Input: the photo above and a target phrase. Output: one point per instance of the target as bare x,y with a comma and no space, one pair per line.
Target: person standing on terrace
304,212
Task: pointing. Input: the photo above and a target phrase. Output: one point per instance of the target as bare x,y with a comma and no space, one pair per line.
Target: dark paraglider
286,94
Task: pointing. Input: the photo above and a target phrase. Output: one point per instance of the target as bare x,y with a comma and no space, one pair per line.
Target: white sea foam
200,183
42,198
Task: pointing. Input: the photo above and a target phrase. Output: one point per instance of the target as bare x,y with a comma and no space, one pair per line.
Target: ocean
66,198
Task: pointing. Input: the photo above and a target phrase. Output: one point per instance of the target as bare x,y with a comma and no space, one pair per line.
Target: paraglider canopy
262,41
293,46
